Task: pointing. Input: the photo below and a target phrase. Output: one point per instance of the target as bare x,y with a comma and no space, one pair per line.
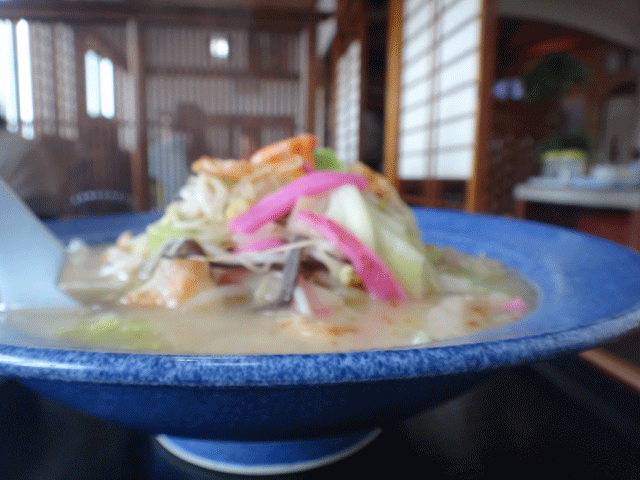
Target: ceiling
242,4
287,14
298,5
615,20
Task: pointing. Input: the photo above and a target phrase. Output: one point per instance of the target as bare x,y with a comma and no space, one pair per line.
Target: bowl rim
304,369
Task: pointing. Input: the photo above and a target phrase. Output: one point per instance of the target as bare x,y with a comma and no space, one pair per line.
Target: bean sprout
201,208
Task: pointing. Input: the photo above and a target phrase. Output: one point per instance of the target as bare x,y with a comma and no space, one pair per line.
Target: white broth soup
223,321
289,252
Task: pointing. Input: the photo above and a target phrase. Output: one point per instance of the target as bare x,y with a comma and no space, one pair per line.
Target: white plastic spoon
31,258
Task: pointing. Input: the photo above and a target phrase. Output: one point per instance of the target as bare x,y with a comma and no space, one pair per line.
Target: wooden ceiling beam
105,12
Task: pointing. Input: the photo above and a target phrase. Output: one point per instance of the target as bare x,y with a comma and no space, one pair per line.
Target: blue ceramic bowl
589,293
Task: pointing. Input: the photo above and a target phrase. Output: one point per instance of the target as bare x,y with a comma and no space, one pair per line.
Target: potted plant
560,79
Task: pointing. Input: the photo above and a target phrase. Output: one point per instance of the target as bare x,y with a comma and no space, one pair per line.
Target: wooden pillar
336,51
477,187
80,46
634,229
135,65
363,37
392,92
312,79
520,209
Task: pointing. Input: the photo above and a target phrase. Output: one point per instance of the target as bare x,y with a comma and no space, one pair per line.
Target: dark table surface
537,419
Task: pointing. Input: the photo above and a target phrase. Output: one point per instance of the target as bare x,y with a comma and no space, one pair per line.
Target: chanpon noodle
289,252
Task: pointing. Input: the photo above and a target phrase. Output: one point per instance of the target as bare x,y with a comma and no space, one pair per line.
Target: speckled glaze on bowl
589,293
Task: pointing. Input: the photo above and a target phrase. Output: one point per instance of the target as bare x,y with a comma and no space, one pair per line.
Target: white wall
618,20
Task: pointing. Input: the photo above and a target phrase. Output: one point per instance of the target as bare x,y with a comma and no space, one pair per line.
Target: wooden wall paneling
135,33
212,73
477,187
95,41
87,39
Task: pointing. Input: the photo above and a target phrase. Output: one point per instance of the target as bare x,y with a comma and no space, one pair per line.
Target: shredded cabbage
392,238
109,330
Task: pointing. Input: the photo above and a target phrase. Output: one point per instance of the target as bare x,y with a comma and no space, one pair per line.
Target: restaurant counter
613,214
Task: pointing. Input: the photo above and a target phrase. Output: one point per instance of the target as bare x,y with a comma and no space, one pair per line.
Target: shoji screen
348,90
439,89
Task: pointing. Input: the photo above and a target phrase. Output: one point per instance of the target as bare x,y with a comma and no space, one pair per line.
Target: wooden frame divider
312,79
477,187
139,161
392,93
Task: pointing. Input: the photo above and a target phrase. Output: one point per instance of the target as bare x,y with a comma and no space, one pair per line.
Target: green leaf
326,159
158,235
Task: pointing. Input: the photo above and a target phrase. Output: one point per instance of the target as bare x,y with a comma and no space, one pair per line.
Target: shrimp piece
283,170
317,331
378,184
302,145
173,283
227,169
125,241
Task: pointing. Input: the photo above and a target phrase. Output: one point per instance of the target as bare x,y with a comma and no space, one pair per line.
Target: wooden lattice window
8,82
16,88
37,78
66,98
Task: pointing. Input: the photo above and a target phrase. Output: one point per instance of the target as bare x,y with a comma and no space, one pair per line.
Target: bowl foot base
266,458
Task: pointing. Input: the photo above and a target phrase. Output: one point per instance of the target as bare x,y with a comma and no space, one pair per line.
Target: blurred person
27,169
192,121
100,179
181,142
373,135
167,163
248,145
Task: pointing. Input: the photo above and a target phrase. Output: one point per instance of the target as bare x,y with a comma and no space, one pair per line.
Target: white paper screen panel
348,104
64,46
439,89
458,102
